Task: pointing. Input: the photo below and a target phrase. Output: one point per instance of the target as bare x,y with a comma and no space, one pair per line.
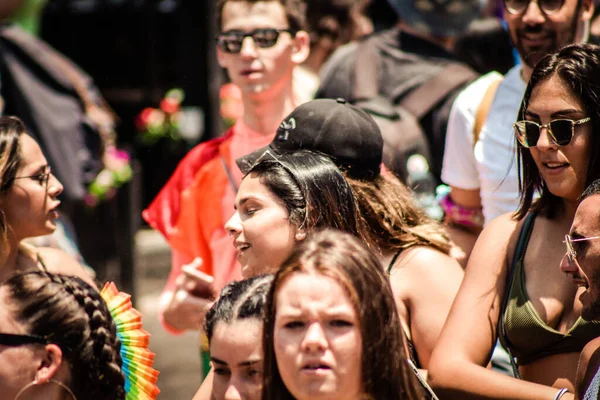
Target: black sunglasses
11,339
561,131
517,7
231,41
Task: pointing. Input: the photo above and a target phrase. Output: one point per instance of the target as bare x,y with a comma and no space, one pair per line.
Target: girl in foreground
331,326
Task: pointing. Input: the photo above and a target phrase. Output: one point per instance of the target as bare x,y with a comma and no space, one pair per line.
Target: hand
191,300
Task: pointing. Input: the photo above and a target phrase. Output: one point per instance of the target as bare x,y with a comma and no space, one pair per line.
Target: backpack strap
484,108
366,72
418,102
421,100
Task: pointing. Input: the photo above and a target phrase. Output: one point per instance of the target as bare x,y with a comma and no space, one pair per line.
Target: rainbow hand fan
140,377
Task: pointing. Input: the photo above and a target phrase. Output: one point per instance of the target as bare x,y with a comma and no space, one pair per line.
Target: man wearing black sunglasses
259,44
582,262
479,158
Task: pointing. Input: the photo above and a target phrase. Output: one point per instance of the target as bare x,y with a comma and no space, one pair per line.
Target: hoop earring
35,382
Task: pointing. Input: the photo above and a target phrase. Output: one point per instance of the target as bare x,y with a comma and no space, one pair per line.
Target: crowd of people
305,260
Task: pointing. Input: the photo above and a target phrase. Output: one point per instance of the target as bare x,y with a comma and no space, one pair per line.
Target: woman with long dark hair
513,289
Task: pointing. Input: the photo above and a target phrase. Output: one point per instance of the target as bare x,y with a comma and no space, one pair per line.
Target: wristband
560,393
471,217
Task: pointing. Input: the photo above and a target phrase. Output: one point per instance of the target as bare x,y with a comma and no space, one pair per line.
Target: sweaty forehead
246,15
587,218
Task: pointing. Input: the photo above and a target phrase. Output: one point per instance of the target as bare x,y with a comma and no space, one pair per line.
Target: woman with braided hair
58,340
28,205
234,330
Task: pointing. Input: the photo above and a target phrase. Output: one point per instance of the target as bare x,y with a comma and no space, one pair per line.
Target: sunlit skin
555,300
585,269
258,70
536,34
20,365
260,227
236,360
563,168
317,339
31,208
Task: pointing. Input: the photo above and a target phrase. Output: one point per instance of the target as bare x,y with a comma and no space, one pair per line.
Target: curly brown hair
394,221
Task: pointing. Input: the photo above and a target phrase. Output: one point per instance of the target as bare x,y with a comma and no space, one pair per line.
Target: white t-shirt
492,165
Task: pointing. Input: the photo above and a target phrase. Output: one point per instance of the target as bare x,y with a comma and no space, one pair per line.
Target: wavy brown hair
344,258
394,221
68,312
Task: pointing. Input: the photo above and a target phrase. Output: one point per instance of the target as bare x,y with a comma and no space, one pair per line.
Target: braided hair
239,300
70,313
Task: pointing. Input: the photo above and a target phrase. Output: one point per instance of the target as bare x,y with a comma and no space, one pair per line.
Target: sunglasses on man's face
11,339
231,41
561,131
571,253
517,7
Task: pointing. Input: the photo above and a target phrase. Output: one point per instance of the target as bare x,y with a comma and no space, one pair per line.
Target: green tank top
526,334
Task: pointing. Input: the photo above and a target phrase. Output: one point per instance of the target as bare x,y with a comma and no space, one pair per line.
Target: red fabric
163,212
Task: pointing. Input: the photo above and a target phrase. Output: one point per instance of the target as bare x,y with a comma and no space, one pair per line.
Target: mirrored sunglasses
231,41
561,131
517,7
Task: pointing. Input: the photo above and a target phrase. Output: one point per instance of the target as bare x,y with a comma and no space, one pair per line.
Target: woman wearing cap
283,199
413,248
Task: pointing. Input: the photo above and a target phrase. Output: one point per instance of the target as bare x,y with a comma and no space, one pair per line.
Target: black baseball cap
342,131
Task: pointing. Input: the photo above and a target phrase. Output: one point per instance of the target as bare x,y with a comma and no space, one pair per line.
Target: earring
35,382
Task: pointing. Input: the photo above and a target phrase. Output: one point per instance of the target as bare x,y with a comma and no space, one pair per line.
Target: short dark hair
592,190
335,20
344,258
239,300
578,66
294,11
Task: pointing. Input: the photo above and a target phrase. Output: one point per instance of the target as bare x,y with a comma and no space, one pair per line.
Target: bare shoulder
498,239
424,259
589,363
57,261
422,267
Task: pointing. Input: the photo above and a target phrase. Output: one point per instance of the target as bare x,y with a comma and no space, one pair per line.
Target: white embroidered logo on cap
285,128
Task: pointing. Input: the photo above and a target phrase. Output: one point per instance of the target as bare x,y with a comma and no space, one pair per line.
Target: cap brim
245,163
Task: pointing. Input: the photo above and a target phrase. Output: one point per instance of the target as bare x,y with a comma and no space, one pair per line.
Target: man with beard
479,158
582,261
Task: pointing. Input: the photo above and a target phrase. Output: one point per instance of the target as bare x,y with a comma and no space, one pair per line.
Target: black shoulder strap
422,99
366,71
519,254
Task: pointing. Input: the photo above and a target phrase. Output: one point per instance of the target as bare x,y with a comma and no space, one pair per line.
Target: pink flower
169,105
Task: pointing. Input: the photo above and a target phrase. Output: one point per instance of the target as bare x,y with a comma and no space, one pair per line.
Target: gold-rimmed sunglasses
571,253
